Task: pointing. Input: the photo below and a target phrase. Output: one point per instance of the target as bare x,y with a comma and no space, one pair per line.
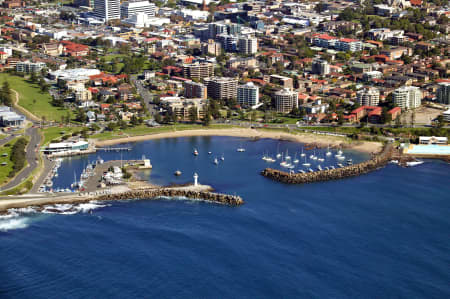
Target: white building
443,93
28,67
320,67
141,20
133,7
248,45
368,96
286,100
107,9
407,97
248,95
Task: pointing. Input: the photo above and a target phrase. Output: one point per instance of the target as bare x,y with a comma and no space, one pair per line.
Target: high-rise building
443,93
286,100
133,7
195,90
107,9
198,70
229,42
368,96
221,88
248,94
407,97
248,45
320,67
88,3
211,47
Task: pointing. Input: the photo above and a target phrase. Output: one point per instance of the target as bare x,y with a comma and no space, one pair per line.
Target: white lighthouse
195,179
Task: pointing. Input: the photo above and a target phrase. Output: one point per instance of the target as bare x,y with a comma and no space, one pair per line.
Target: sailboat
222,158
216,161
306,164
278,152
328,152
195,152
296,161
314,156
287,157
302,154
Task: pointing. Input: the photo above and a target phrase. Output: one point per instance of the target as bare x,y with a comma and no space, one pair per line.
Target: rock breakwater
374,163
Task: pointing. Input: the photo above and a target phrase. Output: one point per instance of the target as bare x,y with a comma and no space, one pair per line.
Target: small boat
340,158
209,153
340,165
340,152
319,167
327,168
287,157
413,163
301,171
278,156
216,161
296,161
302,154
328,152
332,167
306,164
177,173
283,163
222,158
195,152
310,170
320,159
394,161
241,150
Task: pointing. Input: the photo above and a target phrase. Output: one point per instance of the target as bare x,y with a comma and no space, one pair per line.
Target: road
7,139
145,94
31,156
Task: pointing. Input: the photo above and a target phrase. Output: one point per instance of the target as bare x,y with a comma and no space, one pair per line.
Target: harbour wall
144,193
374,163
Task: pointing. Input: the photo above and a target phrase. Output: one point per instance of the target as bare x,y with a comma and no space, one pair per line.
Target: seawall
374,163
145,193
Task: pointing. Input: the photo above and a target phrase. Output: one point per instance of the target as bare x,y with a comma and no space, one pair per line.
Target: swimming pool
431,149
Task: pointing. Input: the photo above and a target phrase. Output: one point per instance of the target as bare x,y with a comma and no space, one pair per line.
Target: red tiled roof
348,40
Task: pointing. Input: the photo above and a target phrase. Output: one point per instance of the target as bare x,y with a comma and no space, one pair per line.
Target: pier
113,149
374,163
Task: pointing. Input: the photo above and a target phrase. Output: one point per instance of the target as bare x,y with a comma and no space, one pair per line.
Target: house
125,92
90,116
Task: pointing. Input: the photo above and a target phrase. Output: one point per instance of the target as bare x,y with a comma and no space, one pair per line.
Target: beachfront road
32,159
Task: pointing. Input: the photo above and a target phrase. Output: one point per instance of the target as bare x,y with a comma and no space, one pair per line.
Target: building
368,96
248,45
195,90
285,100
221,88
10,118
75,146
407,97
133,7
348,45
183,108
443,93
283,81
248,95
211,48
28,67
433,140
229,42
107,9
198,71
320,67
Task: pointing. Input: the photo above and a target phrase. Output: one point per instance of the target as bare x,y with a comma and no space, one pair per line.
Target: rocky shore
374,163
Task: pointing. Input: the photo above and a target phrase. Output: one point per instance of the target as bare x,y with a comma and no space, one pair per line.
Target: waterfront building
285,100
198,71
369,96
221,88
248,95
183,108
195,90
407,97
320,67
10,118
107,9
443,93
66,147
133,7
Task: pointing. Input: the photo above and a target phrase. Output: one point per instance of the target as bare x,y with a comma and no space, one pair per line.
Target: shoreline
321,140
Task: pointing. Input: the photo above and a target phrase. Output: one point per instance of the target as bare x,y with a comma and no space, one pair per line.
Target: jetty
376,162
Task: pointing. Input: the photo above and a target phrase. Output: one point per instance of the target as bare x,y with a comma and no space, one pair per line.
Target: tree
6,94
158,118
193,114
81,115
207,119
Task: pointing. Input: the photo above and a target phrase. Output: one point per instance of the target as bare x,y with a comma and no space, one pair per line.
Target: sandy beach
322,140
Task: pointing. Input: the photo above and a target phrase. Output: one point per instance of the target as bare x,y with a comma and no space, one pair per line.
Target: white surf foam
13,223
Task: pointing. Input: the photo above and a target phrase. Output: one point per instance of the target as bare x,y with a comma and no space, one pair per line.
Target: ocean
381,235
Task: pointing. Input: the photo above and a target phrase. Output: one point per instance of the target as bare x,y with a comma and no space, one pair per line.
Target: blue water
380,235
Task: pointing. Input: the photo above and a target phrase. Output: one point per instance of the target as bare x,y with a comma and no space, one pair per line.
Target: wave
14,223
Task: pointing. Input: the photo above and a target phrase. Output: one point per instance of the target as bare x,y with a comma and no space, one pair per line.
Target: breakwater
232,200
374,163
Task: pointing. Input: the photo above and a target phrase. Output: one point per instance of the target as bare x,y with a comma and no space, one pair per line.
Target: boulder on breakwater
375,162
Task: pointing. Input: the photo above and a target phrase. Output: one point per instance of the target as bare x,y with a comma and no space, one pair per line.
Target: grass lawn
5,170
58,132
31,98
145,130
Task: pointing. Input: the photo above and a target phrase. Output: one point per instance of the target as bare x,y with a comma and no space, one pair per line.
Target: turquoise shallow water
430,149
381,235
